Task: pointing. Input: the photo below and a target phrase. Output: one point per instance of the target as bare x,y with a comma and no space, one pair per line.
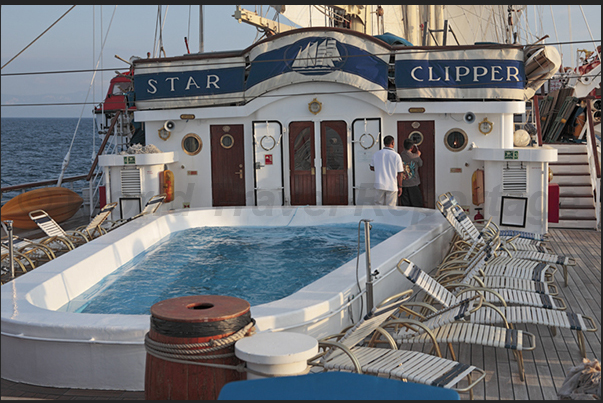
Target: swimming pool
43,346
257,264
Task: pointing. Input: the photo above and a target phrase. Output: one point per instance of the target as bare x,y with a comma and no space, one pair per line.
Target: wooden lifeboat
59,202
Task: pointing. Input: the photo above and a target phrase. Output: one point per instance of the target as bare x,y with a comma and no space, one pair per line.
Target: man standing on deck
411,192
388,167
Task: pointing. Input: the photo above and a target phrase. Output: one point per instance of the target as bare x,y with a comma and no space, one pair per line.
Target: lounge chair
94,228
150,207
517,244
449,325
37,251
505,296
56,235
26,253
466,229
540,316
347,353
497,315
21,263
483,263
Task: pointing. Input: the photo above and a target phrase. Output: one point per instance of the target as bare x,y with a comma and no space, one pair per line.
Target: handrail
102,146
42,183
591,133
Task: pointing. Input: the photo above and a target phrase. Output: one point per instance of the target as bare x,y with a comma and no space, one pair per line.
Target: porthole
192,144
455,139
416,137
226,141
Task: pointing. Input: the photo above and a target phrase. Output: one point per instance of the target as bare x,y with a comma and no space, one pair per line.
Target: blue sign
471,73
189,83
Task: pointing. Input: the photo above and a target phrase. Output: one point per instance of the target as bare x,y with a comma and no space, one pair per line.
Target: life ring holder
372,142
268,137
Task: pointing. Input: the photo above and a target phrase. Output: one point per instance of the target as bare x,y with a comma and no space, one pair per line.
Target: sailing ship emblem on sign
319,56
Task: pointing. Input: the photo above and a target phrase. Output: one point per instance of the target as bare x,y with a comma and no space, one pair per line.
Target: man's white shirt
387,163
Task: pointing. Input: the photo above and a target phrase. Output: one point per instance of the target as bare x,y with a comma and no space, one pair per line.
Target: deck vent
130,182
514,178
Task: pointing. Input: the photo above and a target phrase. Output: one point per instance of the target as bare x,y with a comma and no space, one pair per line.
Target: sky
75,42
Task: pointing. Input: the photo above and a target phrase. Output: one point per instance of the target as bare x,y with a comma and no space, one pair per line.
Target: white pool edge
44,347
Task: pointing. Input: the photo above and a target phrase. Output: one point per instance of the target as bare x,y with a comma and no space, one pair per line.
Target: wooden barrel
188,320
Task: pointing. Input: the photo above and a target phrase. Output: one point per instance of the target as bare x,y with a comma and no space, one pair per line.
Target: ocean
33,149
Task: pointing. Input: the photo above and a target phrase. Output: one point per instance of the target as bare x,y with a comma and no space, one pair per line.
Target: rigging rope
68,155
190,353
39,36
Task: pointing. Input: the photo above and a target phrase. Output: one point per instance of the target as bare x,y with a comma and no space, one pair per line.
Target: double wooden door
333,169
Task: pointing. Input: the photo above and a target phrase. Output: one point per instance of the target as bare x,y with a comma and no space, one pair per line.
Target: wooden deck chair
55,233
448,325
94,228
150,207
348,352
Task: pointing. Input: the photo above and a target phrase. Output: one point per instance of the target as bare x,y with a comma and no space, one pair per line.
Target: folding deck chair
347,353
530,250
483,262
38,252
449,325
466,229
151,207
67,240
498,296
496,315
94,228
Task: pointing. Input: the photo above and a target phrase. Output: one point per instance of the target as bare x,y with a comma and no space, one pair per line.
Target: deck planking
546,367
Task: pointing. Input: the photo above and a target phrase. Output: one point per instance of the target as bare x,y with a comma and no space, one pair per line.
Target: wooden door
227,165
334,162
423,133
301,163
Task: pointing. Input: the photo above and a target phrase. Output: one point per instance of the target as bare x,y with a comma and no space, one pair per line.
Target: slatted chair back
364,328
460,311
153,204
427,283
46,223
150,207
94,224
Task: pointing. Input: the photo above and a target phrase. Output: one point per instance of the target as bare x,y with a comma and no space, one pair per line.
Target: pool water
257,264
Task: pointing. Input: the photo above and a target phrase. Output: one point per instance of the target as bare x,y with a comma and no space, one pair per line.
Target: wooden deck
546,367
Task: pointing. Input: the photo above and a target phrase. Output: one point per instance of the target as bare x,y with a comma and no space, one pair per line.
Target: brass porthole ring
455,139
417,137
226,141
192,144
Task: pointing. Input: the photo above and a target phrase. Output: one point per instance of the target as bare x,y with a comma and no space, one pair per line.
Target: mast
201,47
